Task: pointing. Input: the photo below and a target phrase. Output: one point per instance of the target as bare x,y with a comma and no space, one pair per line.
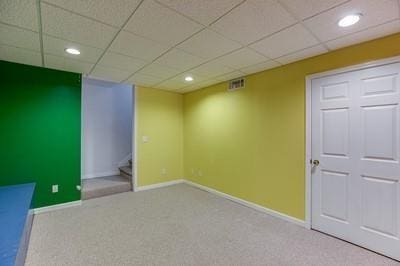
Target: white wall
106,125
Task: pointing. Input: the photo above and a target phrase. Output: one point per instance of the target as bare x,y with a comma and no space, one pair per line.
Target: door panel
335,132
379,132
334,195
379,85
355,137
379,206
335,91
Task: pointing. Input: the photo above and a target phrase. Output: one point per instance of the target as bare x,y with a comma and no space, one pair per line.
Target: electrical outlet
78,187
193,173
199,173
163,171
145,139
54,188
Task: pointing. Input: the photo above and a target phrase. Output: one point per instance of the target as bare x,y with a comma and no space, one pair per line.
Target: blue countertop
15,203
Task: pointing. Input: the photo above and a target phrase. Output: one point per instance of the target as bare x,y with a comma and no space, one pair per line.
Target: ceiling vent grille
236,84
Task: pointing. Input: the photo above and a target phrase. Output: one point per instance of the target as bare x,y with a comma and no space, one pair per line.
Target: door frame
308,151
134,138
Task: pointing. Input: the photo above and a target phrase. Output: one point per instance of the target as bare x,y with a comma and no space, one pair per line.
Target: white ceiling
158,42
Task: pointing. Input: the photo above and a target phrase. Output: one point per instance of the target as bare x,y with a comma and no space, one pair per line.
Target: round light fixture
72,51
349,20
188,78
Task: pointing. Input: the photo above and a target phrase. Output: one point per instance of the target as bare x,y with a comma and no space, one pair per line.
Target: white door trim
308,155
134,142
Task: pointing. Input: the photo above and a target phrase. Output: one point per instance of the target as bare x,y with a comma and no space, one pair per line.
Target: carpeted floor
103,186
181,225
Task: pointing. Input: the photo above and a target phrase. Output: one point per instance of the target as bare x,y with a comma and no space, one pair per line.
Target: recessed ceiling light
188,78
349,20
72,51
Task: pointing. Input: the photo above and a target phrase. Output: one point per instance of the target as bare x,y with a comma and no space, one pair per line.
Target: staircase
126,171
103,186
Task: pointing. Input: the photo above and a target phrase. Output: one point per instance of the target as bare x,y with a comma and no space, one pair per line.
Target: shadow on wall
106,127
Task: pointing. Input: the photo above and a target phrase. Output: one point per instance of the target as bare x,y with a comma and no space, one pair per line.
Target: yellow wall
251,143
159,116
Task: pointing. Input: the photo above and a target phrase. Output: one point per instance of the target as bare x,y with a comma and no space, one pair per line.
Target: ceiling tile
169,27
179,60
208,44
159,71
232,75
241,58
18,37
204,12
56,46
67,64
211,69
179,82
296,56
253,20
198,86
121,62
114,12
136,46
260,67
284,42
109,73
303,9
188,89
325,27
170,85
143,80
22,13
68,26
19,55
365,35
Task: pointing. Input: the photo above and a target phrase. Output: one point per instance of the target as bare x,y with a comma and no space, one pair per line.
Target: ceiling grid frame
300,21
78,14
176,45
366,29
116,35
391,26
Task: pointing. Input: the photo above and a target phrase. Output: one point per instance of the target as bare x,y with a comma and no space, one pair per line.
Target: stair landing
103,186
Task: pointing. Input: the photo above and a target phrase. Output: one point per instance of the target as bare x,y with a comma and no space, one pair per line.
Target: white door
356,140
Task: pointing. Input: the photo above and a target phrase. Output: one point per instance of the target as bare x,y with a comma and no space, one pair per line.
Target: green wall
40,131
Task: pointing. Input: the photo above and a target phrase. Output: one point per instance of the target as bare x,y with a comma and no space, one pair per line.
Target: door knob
315,162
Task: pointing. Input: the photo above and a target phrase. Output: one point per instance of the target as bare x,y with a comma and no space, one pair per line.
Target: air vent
236,84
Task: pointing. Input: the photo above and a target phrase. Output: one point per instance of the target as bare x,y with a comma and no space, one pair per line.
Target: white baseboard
249,204
180,181
103,174
57,207
159,185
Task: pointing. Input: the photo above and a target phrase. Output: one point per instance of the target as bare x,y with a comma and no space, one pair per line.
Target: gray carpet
103,186
181,225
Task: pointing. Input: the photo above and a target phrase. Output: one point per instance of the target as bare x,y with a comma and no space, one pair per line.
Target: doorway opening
107,138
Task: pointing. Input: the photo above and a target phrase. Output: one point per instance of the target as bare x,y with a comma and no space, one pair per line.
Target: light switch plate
54,188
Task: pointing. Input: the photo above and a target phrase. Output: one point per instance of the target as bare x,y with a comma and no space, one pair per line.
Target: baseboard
57,207
248,204
159,185
103,174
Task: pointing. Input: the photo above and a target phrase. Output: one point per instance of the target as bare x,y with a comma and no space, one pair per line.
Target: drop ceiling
157,43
